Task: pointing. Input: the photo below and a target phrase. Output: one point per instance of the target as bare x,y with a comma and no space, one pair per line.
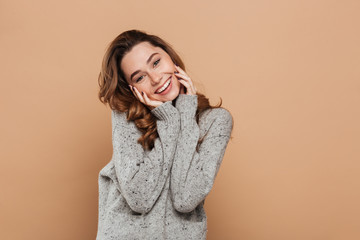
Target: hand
144,98
185,81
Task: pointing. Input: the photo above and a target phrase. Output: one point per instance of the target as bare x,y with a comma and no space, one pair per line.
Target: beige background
289,71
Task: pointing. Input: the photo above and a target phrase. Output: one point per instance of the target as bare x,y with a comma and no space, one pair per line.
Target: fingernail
142,93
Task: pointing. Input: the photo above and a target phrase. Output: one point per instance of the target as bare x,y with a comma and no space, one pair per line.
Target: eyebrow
147,62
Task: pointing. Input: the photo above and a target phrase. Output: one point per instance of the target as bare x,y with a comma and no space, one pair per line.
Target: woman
168,143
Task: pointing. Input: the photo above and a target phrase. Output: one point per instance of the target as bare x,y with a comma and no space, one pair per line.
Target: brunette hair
114,89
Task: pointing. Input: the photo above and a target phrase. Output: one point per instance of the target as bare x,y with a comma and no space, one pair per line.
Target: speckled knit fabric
159,194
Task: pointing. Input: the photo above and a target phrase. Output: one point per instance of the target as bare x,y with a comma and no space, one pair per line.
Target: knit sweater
160,193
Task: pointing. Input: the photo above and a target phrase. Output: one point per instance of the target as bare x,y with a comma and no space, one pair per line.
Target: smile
164,87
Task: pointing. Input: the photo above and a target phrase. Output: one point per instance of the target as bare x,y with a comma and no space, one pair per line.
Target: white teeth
164,87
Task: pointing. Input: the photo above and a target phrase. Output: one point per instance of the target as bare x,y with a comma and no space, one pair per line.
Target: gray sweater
159,194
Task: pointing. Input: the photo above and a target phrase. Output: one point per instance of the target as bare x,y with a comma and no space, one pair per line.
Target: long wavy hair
114,89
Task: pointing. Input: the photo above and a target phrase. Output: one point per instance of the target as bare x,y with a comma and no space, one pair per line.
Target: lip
162,85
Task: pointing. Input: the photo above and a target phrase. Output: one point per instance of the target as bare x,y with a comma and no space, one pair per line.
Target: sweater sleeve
142,174
193,173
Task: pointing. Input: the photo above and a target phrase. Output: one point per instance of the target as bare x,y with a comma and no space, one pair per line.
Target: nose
155,77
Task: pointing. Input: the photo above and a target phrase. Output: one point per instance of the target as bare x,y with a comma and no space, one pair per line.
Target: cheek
142,88
169,65
176,82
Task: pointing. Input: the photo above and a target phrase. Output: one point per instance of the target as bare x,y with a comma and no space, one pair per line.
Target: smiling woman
168,143
151,71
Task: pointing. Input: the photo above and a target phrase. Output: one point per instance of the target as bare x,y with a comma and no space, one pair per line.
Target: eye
138,79
156,62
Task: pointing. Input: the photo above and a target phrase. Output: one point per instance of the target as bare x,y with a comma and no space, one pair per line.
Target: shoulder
119,119
219,114
117,116
219,118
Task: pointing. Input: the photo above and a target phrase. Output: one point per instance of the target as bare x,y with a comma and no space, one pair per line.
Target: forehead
137,57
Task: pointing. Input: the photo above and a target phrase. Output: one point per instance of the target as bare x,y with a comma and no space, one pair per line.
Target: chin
172,97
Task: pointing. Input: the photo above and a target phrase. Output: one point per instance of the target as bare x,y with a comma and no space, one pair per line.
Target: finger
186,77
151,103
136,94
180,69
186,84
139,95
146,98
190,89
189,81
182,89
183,76
132,90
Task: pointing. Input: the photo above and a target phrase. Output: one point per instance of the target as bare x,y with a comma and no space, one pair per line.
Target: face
151,70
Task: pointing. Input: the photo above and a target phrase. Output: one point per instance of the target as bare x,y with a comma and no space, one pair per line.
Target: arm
142,176
193,173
